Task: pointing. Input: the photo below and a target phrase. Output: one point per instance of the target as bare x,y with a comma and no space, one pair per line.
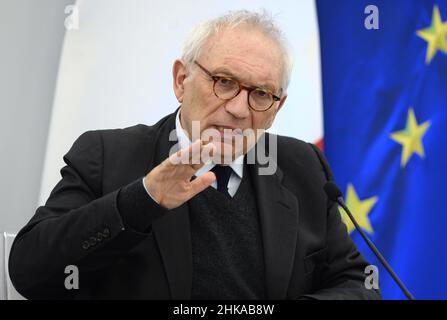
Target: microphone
334,193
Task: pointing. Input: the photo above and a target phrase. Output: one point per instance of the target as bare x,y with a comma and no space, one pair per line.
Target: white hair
263,21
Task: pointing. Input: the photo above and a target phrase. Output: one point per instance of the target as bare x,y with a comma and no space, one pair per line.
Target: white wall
31,34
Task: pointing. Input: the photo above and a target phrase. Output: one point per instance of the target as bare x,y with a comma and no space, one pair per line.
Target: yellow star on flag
360,209
411,138
435,35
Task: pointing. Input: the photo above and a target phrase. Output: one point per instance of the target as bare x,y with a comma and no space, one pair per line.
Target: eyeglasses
227,88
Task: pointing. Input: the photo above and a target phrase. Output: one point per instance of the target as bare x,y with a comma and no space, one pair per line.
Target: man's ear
281,102
179,74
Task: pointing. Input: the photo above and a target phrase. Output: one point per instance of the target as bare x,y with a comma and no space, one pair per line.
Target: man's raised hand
170,183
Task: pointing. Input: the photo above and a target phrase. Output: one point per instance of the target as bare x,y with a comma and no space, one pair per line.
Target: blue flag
384,71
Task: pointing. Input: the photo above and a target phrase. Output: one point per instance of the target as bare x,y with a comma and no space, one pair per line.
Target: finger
201,183
185,155
195,156
206,154
181,163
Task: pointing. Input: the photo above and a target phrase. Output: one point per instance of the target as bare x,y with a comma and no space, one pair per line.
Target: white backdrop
115,70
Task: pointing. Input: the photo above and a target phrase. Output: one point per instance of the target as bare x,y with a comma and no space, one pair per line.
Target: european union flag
384,71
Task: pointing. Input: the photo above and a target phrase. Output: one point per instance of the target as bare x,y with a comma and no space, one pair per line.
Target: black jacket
100,219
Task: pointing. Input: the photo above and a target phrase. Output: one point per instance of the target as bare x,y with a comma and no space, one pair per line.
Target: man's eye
261,93
226,82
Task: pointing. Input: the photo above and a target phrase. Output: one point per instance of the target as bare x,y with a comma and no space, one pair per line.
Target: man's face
243,54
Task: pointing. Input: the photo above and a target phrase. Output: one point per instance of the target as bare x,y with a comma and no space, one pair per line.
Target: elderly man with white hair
204,204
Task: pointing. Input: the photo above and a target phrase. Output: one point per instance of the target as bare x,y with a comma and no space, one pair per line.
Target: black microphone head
332,191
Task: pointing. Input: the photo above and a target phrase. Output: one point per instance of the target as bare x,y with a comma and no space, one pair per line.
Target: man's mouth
229,129
228,134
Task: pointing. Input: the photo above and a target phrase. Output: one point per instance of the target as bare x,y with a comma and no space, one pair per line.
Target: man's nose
238,106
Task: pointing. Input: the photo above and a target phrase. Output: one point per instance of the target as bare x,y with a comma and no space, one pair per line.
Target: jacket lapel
278,212
173,236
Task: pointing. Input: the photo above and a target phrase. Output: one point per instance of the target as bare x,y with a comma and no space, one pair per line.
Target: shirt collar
237,165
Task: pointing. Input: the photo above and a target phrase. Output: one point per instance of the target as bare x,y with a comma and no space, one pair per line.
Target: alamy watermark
372,20
72,280
72,20
372,277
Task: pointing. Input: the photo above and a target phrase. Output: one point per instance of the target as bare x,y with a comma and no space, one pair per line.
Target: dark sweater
228,261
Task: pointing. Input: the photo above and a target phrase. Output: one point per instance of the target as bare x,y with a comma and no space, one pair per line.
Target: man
140,221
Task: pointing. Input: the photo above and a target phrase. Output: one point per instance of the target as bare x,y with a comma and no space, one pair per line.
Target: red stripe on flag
320,144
